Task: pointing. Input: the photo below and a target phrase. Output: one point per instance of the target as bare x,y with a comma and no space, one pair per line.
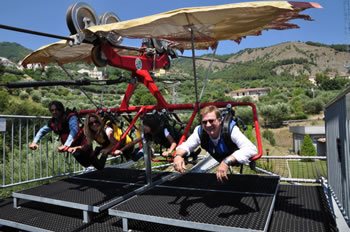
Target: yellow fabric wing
209,25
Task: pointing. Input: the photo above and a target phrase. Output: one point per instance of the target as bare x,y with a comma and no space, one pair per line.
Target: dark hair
58,105
152,122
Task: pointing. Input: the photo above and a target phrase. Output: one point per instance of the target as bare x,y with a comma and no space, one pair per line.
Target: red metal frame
142,75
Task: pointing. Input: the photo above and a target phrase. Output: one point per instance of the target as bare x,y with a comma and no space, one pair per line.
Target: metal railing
19,164
294,168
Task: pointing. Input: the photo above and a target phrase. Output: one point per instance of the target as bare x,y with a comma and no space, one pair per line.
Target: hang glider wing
59,52
209,25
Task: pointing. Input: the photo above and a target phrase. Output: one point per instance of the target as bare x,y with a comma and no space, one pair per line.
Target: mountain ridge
301,58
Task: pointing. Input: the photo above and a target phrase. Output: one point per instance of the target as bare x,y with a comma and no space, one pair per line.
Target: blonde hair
209,109
90,134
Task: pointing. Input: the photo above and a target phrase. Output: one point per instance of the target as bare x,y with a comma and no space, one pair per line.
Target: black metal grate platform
90,192
77,191
35,216
297,209
122,175
302,208
205,204
239,183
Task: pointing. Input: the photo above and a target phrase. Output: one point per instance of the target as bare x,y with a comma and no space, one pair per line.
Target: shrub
4,100
23,95
267,134
36,96
314,106
307,148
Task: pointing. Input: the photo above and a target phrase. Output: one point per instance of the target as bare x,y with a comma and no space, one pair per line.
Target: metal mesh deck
199,201
302,208
122,175
93,189
33,216
297,209
238,183
80,191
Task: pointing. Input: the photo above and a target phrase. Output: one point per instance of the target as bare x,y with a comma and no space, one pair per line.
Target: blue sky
49,16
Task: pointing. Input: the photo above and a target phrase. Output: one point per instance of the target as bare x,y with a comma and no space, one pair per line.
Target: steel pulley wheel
80,16
97,57
107,18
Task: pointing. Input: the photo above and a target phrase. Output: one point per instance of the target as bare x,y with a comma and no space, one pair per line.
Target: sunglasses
211,121
94,122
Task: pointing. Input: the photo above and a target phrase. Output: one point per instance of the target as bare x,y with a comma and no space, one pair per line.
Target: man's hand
221,172
62,148
179,164
33,146
166,153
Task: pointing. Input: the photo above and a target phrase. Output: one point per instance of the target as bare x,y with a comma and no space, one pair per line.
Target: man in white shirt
210,136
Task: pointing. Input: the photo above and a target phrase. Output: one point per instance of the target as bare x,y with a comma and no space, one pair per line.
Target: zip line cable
71,77
207,74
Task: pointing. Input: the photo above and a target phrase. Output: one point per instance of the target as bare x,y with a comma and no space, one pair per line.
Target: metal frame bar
268,219
55,202
22,226
215,190
141,73
174,222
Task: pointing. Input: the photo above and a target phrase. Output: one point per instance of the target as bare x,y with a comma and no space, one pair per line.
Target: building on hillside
33,67
96,74
84,71
312,79
317,134
92,73
337,117
254,93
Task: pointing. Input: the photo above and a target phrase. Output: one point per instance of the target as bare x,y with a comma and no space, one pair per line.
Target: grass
308,169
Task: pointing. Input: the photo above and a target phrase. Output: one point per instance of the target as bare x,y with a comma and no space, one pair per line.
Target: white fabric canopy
209,25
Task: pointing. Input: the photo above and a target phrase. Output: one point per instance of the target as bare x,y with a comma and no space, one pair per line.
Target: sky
50,17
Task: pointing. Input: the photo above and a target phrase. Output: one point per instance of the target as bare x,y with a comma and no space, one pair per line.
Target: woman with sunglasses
209,135
96,130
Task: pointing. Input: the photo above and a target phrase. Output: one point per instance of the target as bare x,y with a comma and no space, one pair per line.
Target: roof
339,96
251,89
308,130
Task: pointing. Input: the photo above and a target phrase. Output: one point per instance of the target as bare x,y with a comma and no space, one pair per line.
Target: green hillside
284,68
13,51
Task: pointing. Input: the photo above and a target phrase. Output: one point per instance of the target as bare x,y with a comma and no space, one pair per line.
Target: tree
36,96
315,106
24,95
275,114
4,100
307,148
